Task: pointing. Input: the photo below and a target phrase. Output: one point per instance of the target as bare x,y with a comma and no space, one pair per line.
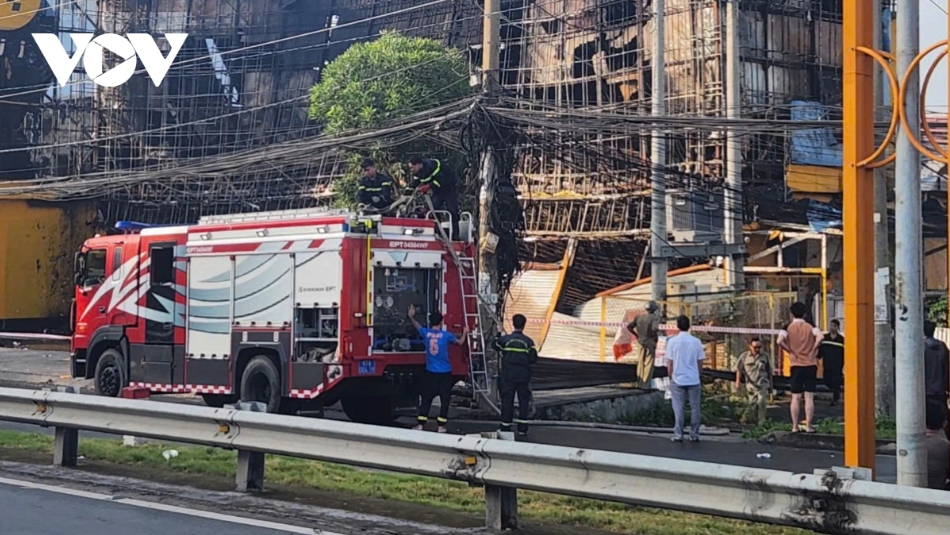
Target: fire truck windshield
91,268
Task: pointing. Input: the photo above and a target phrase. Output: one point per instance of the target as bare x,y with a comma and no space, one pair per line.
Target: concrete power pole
908,309
733,198
487,261
883,340
491,45
659,235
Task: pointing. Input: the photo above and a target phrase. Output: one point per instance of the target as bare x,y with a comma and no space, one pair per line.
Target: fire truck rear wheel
261,382
373,411
217,401
110,374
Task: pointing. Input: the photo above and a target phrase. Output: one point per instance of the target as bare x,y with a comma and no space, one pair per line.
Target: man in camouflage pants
754,366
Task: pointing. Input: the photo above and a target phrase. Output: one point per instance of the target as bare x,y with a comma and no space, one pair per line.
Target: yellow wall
37,243
813,179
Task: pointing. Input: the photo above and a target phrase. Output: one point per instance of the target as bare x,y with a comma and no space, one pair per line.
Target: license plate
367,367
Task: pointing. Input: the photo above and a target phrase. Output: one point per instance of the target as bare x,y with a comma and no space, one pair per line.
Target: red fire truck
295,309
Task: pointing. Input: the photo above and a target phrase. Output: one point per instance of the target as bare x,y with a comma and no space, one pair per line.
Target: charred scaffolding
228,131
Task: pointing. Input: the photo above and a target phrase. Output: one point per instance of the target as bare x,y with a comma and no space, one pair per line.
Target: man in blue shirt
438,378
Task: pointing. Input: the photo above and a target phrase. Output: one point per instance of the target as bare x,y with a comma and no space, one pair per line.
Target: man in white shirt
684,352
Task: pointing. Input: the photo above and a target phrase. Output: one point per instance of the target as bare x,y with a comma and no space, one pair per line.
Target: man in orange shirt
801,341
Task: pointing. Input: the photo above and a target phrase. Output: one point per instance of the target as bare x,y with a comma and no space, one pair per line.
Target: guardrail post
66,441
66,447
131,441
501,503
846,472
250,464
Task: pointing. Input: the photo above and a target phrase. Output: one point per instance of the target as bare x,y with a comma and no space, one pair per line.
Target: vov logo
140,45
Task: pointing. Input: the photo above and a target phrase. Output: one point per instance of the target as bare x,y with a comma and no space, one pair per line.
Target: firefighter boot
522,427
420,423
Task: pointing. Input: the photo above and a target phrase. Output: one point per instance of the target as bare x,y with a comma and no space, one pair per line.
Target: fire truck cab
295,309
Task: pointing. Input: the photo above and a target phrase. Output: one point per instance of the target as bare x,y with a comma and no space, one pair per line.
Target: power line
183,63
938,6
98,140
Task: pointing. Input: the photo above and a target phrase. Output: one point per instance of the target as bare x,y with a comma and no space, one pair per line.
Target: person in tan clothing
646,326
801,341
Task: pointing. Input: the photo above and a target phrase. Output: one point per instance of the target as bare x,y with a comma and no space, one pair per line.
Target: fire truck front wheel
261,382
110,374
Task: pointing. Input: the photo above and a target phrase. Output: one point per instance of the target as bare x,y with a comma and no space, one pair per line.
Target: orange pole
858,31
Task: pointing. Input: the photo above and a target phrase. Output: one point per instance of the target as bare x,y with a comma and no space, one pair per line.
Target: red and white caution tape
665,327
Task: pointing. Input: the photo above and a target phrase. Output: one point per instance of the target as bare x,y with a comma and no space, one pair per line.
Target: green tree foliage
379,81
937,311
391,77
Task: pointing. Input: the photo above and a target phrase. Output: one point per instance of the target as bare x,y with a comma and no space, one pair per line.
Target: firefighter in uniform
432,176
831,353
376,189
518,354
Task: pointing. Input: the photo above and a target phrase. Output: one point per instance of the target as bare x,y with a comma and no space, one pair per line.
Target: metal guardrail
34,336
824,503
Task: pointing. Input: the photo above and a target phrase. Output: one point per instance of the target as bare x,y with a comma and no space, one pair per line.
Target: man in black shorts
801,341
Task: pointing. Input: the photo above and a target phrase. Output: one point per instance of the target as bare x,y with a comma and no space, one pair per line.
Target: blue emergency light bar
131,226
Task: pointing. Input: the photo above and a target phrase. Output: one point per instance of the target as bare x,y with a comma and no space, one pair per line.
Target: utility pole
883,340
908,308
491,45
733,198
658,233
487,261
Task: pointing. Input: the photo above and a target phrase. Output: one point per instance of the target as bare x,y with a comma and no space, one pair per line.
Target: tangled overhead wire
484,138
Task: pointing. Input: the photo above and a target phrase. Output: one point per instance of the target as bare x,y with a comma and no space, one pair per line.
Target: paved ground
188,502
732,451
25,365
30,509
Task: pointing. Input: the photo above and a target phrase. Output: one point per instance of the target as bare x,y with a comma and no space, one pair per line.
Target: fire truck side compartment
318,280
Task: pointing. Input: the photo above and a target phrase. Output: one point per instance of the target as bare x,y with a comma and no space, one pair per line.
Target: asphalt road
31,509
733,451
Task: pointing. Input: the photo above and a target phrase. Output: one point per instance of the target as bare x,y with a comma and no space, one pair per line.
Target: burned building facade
241,82
595,56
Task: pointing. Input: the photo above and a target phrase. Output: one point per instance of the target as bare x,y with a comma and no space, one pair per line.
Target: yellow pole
824,282
858,98
369,276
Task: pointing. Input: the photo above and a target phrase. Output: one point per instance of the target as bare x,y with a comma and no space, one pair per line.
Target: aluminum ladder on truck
477,360
273,215
468,281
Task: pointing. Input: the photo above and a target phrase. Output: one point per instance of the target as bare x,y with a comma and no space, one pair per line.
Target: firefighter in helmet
376,189
518,354
434,177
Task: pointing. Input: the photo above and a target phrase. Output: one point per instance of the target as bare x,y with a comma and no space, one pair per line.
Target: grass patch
718,408
886,429
444,494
